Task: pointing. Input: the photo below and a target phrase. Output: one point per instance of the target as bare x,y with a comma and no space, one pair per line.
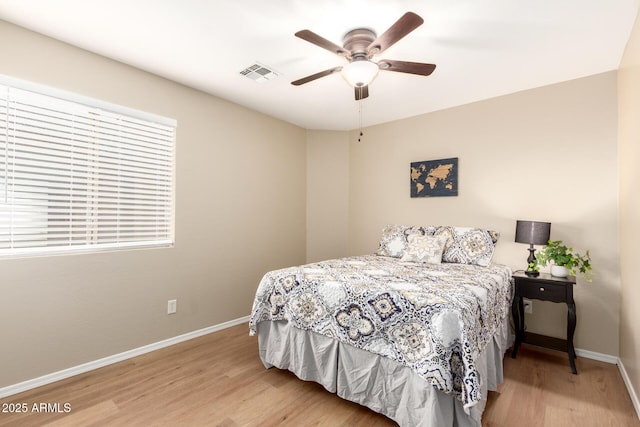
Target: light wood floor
218,380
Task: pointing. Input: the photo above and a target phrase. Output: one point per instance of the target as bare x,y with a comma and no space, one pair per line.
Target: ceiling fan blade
315,76
312,37
407,67
362,92
403,26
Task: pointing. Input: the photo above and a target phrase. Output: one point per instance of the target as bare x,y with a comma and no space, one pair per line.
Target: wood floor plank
218,380
87,416
540,390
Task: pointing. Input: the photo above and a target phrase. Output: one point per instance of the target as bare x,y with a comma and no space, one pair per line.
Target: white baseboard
607,358
109,360
632,392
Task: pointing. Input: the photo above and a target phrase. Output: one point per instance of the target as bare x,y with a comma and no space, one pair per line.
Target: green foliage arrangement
561,254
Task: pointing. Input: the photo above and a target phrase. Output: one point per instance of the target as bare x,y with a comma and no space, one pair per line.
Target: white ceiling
482,48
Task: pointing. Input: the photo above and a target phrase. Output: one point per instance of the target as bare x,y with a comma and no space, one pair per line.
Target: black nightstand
544,287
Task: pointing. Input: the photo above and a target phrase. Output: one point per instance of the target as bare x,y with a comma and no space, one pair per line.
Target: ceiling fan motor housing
357,41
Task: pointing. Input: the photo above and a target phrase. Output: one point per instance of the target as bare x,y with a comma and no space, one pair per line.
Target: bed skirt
377,382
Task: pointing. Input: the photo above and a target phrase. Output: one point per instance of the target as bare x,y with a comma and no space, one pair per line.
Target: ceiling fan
359,47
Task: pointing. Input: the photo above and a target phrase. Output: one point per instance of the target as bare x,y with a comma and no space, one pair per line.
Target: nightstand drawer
542,291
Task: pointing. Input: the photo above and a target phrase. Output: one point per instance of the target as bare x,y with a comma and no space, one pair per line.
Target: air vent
259,73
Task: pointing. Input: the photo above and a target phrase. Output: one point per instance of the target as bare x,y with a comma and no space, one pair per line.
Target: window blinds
76,177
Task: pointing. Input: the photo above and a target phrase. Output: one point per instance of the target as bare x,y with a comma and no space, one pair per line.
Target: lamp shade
533,232
360,73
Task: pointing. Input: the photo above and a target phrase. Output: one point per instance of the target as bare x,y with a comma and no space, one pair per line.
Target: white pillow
427,249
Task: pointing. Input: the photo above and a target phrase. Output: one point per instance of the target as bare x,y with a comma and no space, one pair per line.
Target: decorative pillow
427,249
393,242
468,245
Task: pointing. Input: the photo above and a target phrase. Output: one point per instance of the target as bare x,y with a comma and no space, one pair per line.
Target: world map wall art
433,178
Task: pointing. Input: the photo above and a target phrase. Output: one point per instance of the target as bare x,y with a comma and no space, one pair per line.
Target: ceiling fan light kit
359,47
360,73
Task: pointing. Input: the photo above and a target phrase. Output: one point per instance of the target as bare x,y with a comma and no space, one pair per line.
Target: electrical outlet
528,305
172,306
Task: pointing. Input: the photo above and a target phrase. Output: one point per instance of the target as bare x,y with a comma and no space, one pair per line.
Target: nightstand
544,287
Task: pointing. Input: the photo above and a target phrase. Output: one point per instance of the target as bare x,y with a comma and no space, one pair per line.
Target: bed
416,331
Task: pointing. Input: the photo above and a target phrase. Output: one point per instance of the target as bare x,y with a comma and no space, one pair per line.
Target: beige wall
239,214
327,194
512,152
629,143
548,154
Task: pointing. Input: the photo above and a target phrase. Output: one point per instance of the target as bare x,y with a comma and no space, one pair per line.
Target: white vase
559,271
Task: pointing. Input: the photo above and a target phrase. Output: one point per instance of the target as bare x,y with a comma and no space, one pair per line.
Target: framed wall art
434,178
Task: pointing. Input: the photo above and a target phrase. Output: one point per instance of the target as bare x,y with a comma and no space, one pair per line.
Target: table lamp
534,233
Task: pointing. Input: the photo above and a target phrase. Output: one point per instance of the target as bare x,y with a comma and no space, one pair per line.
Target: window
78,174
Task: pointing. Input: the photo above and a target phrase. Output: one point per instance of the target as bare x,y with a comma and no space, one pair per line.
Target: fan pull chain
360,118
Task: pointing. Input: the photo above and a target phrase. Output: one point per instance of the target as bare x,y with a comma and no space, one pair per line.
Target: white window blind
74,177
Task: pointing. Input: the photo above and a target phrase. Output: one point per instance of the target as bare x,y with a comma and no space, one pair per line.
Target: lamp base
531,260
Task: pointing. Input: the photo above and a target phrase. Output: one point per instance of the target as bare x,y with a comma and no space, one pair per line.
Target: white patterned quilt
433,318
